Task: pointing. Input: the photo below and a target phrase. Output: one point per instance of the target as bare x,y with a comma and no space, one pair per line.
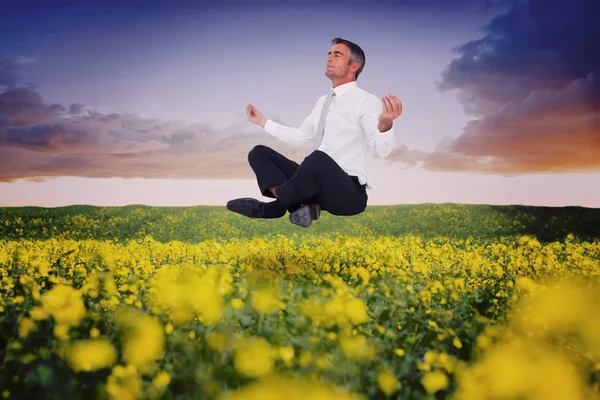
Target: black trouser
318,179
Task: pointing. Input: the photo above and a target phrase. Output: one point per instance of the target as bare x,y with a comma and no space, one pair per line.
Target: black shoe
247,207
305,215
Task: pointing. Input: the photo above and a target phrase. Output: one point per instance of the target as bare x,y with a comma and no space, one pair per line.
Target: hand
255,116
392,108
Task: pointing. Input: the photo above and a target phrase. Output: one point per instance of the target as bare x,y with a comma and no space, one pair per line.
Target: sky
115,103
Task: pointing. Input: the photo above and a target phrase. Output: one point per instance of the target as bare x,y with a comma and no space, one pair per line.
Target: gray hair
354,51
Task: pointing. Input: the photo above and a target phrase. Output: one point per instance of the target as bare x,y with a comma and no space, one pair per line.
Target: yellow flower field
300,317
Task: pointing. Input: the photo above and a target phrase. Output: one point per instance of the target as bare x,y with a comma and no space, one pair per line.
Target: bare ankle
272,189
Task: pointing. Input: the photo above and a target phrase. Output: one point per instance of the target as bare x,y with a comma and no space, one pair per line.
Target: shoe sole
305,215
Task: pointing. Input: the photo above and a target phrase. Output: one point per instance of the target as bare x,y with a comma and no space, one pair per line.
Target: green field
196,224
409,302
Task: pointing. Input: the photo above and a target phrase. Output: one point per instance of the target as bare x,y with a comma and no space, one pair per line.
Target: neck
341,81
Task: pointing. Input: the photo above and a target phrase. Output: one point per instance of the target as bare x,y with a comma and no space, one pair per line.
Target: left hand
392,108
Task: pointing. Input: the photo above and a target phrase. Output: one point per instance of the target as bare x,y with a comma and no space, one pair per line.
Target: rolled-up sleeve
368,111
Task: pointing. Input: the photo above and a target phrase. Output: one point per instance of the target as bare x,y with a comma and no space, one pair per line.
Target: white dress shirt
351,134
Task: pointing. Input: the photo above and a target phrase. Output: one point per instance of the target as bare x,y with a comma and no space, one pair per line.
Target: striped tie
321,127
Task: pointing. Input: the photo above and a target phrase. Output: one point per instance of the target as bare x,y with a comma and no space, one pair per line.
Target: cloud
23,60
7,72
40,141
532,82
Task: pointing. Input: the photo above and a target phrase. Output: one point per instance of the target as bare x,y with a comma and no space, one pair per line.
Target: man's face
337,62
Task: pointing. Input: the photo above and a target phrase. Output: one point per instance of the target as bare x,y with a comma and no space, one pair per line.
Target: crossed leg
318,179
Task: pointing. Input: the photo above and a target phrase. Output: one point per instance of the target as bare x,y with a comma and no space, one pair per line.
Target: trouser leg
270,167
320,179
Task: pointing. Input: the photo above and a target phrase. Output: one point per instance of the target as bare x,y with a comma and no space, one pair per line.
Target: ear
355,66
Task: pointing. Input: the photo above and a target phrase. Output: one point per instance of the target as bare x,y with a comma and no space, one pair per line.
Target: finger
392,104
385,101
398,105
385,105
388,103
395,104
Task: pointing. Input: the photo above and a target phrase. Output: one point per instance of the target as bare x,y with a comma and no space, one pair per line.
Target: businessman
345,127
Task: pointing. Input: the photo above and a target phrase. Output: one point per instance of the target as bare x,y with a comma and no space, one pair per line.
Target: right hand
255,116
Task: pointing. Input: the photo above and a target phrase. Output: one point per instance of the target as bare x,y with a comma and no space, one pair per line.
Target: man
343,127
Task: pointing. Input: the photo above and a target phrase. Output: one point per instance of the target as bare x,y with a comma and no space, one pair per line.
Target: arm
290,135
293,136
379,135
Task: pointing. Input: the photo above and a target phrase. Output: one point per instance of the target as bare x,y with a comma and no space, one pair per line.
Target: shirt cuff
271,127
384,142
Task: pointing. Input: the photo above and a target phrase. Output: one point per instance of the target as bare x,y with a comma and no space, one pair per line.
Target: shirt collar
345,88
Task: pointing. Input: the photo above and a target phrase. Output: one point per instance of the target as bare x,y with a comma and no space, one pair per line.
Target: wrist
384,126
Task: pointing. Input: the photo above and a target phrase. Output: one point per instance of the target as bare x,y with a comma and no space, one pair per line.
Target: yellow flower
457,343
64,304
521,368
162,379
356,311
364,275
434,381
26,326
254,357
185,292
357,347
433,324
286,353
483,341
305,359
288,388
61,331
124,383
237,304
430,357
143,340
89,355
266,300
387,381
216,341
399,352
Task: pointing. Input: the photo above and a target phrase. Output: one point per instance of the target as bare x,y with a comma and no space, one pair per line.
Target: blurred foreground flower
281,387
545,351
185,292
254,357
65,305
143,338
89,355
